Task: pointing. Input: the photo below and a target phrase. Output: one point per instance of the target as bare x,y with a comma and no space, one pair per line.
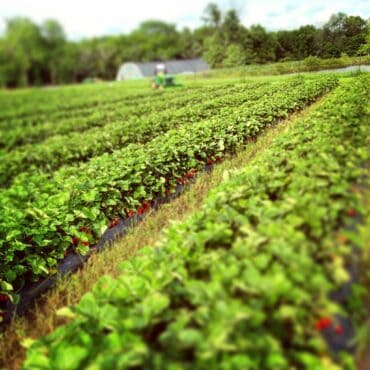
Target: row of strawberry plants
27,186
98,116
244,283
128,98
43,218
66,149
57,114
35,103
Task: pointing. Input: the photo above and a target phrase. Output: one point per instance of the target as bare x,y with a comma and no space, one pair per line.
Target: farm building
131,70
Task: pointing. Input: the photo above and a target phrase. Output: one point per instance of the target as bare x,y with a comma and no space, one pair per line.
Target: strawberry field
242,284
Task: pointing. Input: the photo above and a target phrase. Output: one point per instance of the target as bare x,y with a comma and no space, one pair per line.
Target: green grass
281,68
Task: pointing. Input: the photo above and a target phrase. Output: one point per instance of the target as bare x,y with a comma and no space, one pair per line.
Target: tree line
37,54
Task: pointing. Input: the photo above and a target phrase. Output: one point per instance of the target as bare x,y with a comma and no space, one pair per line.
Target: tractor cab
162,78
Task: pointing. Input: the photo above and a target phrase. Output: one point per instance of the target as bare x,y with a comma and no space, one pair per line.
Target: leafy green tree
156,40
189,45
69,63
365,48
54,40
212,16
285,42
214,52
343,34
28,52
213,43
262,43
235,56
10,66
227,44
231,28
306,44
355,30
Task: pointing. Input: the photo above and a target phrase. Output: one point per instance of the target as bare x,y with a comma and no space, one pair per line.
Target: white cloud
94,18
288,14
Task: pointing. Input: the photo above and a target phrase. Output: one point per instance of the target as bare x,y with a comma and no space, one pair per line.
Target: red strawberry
323,323
86,230
75,240
140,210
351,212
113,222
85,244
4,298
209,161
338,329
146,205
168,191
190,174
130,213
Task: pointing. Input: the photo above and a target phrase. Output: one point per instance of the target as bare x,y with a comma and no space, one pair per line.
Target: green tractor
162,79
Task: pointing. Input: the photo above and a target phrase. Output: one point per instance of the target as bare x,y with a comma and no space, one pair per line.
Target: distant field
311,64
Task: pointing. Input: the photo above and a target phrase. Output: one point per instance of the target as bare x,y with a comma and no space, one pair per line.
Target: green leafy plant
46,218
244,282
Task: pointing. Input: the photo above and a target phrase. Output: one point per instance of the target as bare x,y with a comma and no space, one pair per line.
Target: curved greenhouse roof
132,70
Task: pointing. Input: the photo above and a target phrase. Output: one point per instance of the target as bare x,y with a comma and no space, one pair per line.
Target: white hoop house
132,71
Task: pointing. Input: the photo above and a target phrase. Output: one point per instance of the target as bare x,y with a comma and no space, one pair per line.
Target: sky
82,18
